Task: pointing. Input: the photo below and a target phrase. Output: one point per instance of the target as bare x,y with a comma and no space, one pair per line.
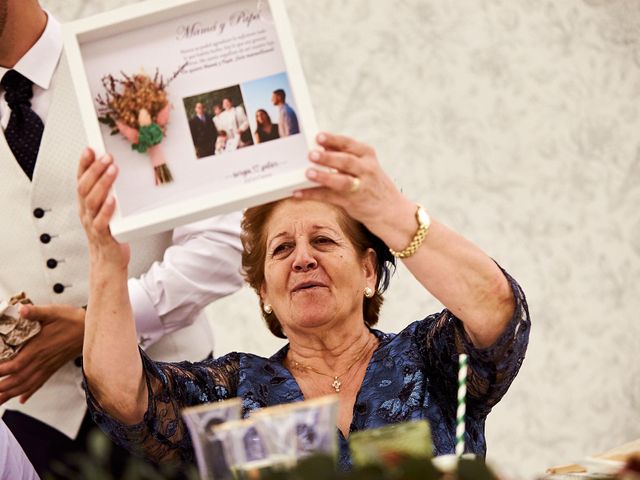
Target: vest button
38,213
52,263
45,238
58,288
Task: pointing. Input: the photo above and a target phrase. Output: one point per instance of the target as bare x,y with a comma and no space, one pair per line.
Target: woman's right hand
96,207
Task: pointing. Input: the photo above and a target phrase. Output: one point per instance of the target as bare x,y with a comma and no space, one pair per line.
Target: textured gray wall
518,124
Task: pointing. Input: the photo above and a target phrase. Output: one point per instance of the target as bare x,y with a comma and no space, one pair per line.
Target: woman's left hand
455,271
357,183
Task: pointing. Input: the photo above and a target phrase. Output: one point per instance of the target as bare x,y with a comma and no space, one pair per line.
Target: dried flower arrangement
136,107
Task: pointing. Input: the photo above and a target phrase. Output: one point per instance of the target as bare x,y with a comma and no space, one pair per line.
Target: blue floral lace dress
412,375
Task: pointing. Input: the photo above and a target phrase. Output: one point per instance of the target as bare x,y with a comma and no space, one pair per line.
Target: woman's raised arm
111,361
460,275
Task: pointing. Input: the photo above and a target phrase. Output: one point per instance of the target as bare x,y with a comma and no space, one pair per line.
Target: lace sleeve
162,436
442,337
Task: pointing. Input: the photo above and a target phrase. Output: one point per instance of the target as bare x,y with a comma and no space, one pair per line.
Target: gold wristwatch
424,221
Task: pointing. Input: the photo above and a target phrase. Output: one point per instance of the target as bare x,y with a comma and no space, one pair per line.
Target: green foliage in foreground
95,465
322,468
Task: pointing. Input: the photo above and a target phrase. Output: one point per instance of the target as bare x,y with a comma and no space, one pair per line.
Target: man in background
43,248
287,120
203,132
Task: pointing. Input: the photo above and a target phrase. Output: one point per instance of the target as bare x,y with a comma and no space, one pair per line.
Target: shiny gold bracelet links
424,221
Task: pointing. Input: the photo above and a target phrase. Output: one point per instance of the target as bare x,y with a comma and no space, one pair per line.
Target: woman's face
260,118
313,274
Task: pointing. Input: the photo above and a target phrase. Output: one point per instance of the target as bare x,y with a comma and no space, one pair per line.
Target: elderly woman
319,263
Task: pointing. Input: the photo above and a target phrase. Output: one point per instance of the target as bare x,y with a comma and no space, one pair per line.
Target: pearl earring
368,292
267,309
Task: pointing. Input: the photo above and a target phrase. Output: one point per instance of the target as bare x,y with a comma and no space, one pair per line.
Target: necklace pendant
336,384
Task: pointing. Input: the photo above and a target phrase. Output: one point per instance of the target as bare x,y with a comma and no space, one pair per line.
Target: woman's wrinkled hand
96,207
355,181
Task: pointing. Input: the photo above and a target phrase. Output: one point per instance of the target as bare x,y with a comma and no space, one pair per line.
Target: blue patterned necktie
24,130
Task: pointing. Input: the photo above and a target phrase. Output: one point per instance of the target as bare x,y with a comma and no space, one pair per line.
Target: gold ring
355,185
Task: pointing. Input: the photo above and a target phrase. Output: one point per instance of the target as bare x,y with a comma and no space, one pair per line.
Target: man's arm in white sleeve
201,266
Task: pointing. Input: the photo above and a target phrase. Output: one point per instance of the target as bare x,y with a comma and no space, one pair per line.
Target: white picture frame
227,47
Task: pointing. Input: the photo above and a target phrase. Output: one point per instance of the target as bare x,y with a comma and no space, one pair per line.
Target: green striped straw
463,361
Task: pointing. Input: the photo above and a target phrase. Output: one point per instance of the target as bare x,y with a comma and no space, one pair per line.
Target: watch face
423,217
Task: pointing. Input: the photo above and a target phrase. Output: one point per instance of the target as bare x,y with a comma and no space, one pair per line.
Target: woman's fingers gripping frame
331,186
103,217
341,143
94,185
95,179
90,169
339,162
94,200
349,165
